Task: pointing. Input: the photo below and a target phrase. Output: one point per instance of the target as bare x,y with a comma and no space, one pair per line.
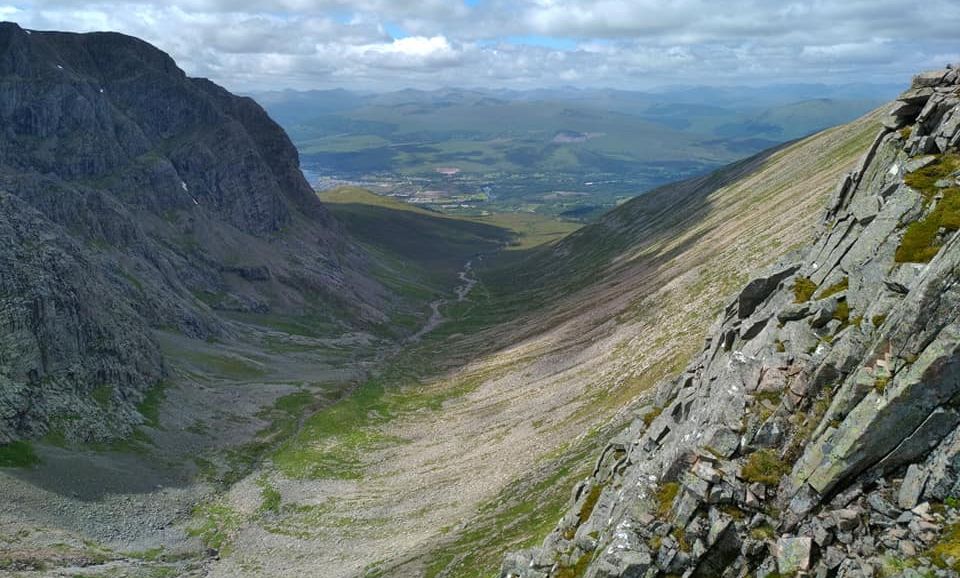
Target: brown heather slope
443,474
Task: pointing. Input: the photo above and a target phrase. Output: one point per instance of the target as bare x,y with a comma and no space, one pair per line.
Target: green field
419,251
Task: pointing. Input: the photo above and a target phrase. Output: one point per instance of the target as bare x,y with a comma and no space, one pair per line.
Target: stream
436,317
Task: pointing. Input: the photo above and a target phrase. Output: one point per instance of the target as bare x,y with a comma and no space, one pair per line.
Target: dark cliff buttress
133,197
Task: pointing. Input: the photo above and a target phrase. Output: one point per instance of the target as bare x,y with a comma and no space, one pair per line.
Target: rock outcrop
133,197
817,432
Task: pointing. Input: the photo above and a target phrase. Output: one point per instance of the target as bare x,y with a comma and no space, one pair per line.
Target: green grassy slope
423,247
414,246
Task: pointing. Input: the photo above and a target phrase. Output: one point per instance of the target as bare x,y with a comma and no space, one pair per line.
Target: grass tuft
881,383
946,552
652,415
680,536
837,287
765,467
763,532
842,313
733,511
17,454
666,494
803,289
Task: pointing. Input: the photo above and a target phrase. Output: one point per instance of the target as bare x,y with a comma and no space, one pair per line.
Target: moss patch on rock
925,180
666,494
921,242
803,289
842,313
837,287
765,467
586,509
577,570
17,454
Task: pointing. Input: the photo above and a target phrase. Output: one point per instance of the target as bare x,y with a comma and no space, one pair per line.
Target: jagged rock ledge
817,432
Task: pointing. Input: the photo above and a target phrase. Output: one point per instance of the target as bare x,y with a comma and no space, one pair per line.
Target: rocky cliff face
817,432
134,197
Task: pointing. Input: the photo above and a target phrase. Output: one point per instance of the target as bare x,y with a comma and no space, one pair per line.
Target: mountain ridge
815,433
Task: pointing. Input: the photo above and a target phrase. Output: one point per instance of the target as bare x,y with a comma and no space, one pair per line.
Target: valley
691,331
363,458
521,401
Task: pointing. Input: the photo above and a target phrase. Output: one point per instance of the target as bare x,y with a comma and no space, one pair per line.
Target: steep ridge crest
817,431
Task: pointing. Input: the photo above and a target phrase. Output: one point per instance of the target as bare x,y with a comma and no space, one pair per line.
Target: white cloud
417,46
257,44
411,52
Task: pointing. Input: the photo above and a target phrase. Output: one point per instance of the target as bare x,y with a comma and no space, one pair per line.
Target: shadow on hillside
438,244
630,235
91,476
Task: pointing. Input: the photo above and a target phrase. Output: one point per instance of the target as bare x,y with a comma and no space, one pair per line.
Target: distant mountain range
505,142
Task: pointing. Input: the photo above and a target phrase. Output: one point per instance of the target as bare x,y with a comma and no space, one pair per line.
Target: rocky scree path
816,434
436,316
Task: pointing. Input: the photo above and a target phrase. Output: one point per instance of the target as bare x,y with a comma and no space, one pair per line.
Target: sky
250,45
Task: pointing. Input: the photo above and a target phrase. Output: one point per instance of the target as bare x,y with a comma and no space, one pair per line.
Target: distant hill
522,147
